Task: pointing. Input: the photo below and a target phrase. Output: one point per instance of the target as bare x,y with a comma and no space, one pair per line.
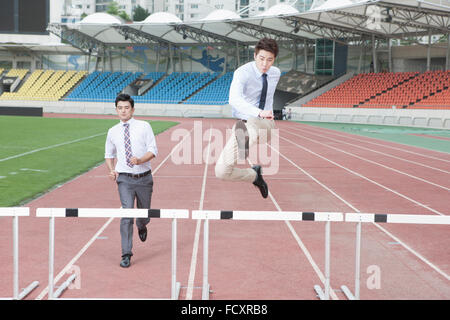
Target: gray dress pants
130,189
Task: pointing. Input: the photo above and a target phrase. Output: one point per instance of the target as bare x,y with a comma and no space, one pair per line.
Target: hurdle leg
16,294
205,289
51,256
16,257
175,291
325,295
344,288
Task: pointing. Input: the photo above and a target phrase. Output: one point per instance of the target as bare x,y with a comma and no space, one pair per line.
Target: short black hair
267,44
124,97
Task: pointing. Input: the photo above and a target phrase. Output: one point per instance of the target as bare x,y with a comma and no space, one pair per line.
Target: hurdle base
24,292
348,293
320,292
28,290
176,296
205,292
64,286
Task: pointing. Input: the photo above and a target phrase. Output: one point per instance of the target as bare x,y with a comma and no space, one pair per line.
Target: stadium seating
215,94
48,85
177,87
102,86
387,90
21,73
369,90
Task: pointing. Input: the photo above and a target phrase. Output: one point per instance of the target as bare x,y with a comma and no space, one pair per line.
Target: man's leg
127,195
226,164
144,190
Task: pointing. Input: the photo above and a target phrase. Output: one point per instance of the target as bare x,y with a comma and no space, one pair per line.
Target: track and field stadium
358,170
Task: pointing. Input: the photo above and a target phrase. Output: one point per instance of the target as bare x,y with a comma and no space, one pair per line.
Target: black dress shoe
242,139
260,183
125,263
143,234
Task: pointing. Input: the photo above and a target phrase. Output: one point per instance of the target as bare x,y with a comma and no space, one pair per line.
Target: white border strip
174,213
14,212
399,218
112,213
268,215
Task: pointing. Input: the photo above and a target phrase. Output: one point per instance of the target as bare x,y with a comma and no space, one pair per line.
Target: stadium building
66,56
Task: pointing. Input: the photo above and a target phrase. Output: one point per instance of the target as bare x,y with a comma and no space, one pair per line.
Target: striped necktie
127,141
262,100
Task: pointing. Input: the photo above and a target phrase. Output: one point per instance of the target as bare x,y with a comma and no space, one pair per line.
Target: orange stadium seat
385,90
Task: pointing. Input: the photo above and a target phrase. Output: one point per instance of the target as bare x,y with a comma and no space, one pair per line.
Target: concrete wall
141,109
438,119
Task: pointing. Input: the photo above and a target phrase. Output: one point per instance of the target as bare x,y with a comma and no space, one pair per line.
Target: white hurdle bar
52,213
268,216
359,218
15,213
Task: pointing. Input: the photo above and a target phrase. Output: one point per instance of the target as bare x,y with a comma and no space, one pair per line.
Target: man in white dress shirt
251,98
133,144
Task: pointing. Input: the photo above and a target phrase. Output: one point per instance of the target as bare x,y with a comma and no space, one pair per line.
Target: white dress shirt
142,141
246,87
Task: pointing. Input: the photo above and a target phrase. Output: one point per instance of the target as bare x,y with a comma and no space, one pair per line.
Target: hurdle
327,217
52,213
15,213
360,218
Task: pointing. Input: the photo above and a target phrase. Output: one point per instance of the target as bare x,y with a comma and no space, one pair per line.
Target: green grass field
37,154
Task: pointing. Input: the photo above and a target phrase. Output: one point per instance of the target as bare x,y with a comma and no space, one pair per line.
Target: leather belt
139,175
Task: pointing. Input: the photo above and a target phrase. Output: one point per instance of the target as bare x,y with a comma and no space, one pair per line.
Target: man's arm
146,157
236,96
237,100
110,164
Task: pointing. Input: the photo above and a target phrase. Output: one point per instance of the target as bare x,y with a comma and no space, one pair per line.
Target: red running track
319,170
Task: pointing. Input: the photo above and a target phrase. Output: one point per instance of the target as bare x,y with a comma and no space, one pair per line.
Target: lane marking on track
396,239
379,152
303,247
365,178
51,147
370,161
389,147
75,258
102,228
190,286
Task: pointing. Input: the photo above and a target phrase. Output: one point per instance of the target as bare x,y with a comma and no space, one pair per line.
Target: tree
113,9
139,14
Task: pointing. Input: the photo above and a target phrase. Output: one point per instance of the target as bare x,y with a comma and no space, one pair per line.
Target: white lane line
305,250
418,255
387,146
102,228
190,286
396,239
51,147
375,151
75,258
370,161
365,178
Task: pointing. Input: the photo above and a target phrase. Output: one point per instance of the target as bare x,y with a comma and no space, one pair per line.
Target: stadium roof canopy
343,21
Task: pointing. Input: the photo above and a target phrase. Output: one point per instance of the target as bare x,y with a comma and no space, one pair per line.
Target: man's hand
113,174
266,114
135,160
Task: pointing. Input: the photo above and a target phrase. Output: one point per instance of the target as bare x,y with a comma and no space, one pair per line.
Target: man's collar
255,68
129,121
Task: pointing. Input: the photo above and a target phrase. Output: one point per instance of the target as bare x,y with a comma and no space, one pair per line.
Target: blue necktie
262,100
